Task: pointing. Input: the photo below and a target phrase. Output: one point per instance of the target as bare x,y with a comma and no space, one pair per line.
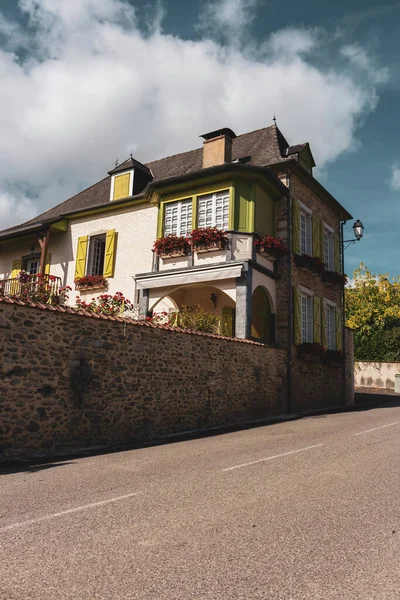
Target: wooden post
44,244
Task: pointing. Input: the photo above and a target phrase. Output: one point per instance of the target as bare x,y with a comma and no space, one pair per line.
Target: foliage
271,243
36,288
89,281
209,236
106,304
373,312
195,318
171,244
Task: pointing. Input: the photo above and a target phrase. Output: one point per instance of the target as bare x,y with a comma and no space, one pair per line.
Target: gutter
290,304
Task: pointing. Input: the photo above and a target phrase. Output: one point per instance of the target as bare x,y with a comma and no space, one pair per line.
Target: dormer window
128,179
122,185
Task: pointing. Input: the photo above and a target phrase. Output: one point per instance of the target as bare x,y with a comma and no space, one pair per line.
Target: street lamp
358,229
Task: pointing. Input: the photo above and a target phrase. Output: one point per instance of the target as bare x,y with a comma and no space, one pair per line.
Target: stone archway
262,322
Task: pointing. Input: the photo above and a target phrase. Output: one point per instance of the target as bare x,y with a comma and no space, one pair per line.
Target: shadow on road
31,468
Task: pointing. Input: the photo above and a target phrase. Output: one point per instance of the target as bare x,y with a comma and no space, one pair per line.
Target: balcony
38,288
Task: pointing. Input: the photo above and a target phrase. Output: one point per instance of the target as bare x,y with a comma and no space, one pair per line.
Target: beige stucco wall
375,374
135,227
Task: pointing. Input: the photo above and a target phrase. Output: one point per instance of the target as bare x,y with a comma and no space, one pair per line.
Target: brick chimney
217,147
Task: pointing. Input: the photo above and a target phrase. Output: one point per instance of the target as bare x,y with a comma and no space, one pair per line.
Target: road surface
300,510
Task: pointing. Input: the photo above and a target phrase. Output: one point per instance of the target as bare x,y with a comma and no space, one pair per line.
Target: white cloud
359,58
227,18
395,179
97,85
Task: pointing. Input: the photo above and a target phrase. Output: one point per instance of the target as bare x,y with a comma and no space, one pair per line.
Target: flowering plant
268,242
106,304
171,244
209,237
90,281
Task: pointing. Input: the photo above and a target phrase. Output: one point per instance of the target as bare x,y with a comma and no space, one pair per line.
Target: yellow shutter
227,321
109,255
47,266
338,329
316,237
297,318
81,251
323,325
336,255
16,267
296,228
121,186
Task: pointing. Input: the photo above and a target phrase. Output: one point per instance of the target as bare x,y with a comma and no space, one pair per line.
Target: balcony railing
33,287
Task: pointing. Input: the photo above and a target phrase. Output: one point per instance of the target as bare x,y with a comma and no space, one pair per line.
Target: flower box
272,247
311,351
171,246
202,248
90,282
309,263
335,278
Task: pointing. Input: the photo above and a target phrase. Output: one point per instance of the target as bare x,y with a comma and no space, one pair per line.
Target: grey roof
264,147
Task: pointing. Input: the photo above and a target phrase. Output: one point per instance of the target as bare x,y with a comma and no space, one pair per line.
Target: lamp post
358,230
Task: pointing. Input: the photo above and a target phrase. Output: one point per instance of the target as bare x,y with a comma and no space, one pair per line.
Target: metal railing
35,287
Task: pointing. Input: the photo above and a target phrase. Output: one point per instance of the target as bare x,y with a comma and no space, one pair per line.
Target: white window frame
306,240
29,262
223,195
91,249
307,325
330,259
330,328
113,183
179,204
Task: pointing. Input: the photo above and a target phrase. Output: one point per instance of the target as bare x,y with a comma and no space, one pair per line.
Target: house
254,187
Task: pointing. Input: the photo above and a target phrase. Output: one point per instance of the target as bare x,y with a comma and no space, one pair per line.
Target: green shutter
109,255
316,237
297,318
16,267
81,251
336,255
338,329
317,319
296,228
323,325
227,322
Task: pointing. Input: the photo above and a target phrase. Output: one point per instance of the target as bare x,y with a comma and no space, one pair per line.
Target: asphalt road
306,509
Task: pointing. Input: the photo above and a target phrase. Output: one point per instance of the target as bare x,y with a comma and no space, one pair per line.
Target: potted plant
208,239
171,246
271,246
90,282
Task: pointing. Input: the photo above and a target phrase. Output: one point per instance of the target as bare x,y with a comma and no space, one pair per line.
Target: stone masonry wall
68,380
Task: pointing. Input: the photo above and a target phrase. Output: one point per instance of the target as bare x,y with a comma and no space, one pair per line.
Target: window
328,248
306,307
32,266
97,246
178,218
330,326
305,233
121,186
214,210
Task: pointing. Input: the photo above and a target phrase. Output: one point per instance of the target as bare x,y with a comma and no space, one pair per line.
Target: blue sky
86,81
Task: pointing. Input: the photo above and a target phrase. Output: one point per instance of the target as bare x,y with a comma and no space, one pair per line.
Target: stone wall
380,375
68,380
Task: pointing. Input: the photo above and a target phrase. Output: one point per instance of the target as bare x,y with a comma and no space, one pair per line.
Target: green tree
373,312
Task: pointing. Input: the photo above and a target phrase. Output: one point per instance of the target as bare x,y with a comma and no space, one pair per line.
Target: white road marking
68,512
254,462
376,428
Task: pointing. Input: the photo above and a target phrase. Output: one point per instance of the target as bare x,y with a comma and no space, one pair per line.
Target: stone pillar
143,303
243,304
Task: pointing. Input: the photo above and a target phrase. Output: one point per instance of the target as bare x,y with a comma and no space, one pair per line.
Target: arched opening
262,322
